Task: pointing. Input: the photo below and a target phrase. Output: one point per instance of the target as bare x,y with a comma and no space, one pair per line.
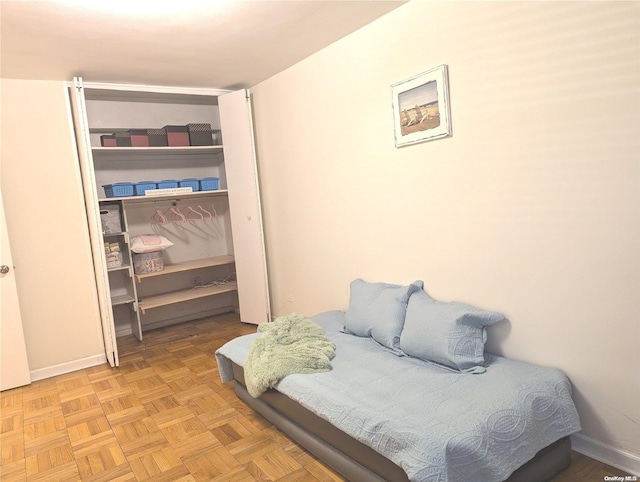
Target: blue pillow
452,334
378,310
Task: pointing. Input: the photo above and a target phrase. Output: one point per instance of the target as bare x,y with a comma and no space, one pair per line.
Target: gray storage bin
110,219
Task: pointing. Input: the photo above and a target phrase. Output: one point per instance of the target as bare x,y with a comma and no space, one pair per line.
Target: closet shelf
188,266
119,152
122,300
119,268
142,199
185,295
111,130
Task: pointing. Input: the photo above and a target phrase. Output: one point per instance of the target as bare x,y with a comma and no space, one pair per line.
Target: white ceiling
216,43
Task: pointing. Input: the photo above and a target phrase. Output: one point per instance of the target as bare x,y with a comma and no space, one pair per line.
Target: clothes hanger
209,215
159,218
177,217
199,215
213,221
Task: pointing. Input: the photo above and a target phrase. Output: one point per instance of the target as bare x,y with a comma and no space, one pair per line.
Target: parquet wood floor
163,415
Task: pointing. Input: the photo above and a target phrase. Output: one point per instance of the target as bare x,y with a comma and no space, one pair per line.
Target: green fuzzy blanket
290,344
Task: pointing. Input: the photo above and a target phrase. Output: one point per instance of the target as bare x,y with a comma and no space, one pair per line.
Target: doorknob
4,269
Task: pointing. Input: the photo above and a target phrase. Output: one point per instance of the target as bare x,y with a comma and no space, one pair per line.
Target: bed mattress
431,422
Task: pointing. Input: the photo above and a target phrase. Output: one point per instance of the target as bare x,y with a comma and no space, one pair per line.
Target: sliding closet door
244,206
93,216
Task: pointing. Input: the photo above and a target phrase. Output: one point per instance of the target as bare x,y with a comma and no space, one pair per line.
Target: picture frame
421,110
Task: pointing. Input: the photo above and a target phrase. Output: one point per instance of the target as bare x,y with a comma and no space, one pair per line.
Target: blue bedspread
437,424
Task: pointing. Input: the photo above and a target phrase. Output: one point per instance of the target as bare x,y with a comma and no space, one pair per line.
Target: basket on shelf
194,184
141,187
157,137
139,137
209,183
118,189
167,184
177,136
108,140
200,134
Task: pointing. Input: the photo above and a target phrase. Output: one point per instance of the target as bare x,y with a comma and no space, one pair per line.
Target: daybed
411,395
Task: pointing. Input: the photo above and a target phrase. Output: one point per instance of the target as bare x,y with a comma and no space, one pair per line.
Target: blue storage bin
167,184
209,183
194,184
141,187
118,189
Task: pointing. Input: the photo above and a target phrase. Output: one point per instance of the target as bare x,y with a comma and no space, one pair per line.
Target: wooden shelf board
140,199
188,266
185,295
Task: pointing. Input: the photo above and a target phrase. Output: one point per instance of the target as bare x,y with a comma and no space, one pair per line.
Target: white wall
531,208
47,228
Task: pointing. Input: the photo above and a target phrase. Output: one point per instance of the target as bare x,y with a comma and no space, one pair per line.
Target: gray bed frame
358,462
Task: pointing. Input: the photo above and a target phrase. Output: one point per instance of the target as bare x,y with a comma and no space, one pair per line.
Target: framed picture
421,107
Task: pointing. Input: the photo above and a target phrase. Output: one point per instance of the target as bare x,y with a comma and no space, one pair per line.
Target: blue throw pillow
452,334
378,310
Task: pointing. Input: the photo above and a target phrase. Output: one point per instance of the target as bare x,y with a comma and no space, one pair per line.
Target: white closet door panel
14,365
93,216
244,207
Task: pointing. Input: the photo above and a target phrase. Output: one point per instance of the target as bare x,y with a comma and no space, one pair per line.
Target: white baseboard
606,454
67,367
